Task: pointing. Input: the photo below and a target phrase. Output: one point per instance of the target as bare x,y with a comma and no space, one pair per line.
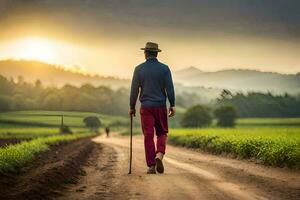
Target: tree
226,116
93,123
5,103
6,87
225,94
197,116
52,102
38,84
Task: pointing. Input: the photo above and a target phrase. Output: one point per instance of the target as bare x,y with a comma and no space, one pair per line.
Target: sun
35,48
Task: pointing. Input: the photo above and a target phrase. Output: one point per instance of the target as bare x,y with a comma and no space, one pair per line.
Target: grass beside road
13,157
277,146
27,132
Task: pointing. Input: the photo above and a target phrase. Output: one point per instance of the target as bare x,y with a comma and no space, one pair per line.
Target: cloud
276,18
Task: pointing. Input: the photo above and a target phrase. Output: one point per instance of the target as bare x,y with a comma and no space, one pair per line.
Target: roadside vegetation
29,132
271,141
278,146
13,157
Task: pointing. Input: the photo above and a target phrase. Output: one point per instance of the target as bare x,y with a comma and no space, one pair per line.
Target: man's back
155,81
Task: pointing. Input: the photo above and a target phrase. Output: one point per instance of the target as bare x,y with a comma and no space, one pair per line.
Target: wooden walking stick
130,154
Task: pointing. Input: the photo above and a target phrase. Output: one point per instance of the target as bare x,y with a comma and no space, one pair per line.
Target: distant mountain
240,80
189,80
188,72
54,75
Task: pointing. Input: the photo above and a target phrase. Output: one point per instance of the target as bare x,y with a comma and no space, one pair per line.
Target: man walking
153,80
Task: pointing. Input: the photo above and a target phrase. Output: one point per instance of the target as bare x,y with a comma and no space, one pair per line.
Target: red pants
154,118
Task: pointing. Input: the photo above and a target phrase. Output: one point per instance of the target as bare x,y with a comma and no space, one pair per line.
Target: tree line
255,104
21,95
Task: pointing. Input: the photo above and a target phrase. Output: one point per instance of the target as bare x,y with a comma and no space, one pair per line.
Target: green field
25,124
271,122
53,118
276,146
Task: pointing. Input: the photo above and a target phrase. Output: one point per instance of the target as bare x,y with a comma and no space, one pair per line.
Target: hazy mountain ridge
55,75
240,80
190,80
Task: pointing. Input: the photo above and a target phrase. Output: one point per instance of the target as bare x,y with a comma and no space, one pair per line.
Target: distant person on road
107,131
153,80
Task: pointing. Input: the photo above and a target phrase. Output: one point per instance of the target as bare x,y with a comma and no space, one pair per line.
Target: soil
102,180
47,175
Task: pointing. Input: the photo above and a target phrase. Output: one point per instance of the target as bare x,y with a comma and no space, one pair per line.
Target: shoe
151,170
159,164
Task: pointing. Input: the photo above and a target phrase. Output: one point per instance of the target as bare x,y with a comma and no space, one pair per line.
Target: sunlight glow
35,48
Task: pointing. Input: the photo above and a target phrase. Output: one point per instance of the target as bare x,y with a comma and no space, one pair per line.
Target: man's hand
132,112
172,111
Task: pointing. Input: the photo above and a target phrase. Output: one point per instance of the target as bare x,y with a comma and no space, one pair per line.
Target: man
107,131
154,82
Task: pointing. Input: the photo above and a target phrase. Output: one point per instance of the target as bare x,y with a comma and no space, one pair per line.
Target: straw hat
151,46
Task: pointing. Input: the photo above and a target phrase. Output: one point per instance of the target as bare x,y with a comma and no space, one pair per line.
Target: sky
104,36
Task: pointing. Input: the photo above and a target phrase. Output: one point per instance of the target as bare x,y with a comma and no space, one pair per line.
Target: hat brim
154,50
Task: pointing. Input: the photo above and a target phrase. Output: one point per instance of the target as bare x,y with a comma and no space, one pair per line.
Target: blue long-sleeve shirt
153,80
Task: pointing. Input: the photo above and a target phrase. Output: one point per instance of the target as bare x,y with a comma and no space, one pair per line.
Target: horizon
260,36
75,69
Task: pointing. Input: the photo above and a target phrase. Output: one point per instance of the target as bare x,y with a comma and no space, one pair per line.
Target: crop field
53,118
243,123
30,132
271,122
28,124
276,146
24,134
15,156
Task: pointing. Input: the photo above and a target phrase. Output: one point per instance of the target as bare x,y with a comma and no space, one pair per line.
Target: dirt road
189,175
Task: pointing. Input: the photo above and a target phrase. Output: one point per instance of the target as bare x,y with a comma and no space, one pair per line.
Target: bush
197,116
65,130
93,123
226,116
